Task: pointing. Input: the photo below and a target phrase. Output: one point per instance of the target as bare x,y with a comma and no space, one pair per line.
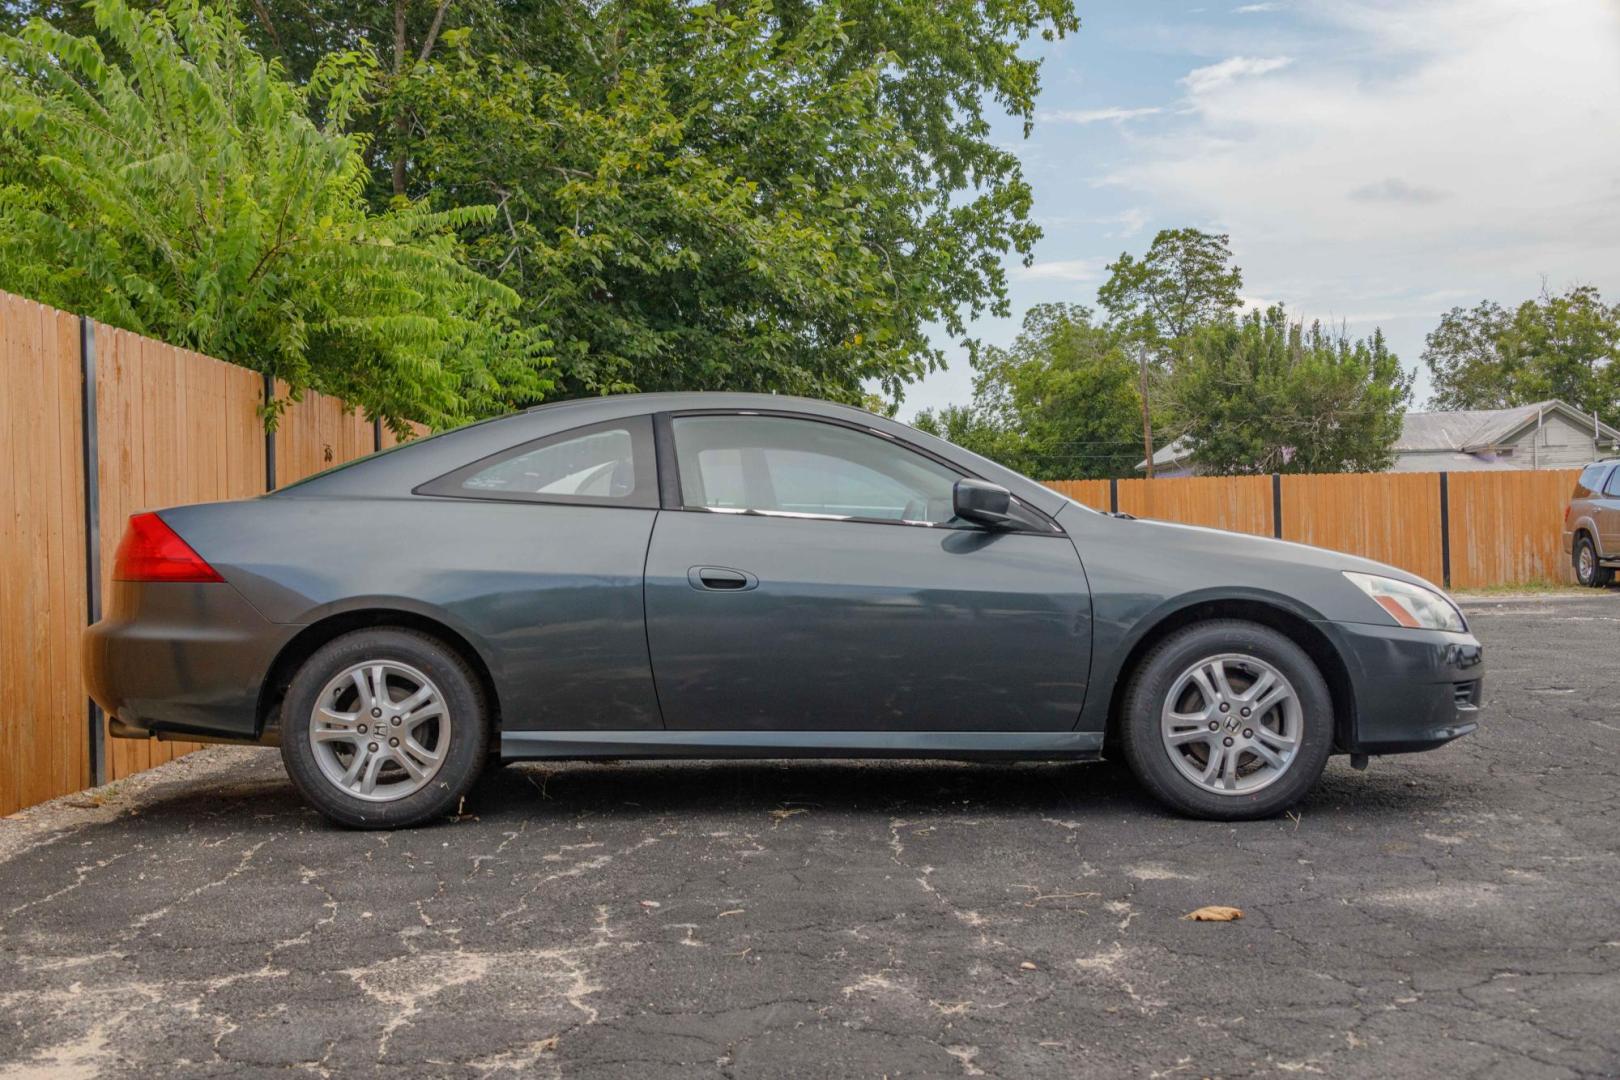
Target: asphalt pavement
1455,913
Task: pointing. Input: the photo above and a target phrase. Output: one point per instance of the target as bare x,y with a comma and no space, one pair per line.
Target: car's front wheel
1587,570
384,728
1227,719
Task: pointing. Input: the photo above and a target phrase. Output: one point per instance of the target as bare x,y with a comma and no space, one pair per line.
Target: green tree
782,196
1556,346
1184,282
968,428
174,185
1060,403
1269,395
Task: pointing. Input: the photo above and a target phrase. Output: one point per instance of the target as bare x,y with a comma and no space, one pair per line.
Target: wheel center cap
1231,723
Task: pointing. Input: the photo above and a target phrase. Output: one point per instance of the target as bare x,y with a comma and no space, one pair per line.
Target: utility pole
1147,420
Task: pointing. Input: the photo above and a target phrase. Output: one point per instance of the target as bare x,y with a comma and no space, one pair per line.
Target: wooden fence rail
170,426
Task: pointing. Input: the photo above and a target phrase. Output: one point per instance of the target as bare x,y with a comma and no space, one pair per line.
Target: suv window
784,465
1613,486
605,464
1590,480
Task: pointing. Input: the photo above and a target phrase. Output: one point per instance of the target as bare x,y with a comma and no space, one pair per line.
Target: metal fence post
1276,505
90,452
1445,531
1113,494
376,434
269,437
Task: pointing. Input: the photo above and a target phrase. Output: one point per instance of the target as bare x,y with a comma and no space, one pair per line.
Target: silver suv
1592,523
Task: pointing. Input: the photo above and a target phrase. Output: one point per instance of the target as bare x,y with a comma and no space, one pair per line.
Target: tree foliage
1060,403
762,196
173,184
1186,280
1270,395
1563,346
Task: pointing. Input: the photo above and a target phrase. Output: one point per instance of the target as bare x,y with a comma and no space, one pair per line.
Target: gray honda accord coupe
739,575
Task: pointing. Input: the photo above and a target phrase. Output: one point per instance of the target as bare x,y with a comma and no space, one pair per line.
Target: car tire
1587,570
421,741
1180,665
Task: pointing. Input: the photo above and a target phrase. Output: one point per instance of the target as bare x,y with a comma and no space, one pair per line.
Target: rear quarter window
1590,481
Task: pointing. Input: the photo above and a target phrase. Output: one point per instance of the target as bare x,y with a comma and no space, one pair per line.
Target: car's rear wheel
384,728
1227,719
1587,570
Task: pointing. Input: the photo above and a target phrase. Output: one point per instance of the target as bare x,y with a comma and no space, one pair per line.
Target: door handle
721,579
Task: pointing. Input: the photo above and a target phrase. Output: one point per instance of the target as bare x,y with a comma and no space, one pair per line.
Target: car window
1613,486
784,465
610,463
1590,480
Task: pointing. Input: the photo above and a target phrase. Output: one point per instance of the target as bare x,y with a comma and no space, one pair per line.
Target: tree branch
433,32
263,14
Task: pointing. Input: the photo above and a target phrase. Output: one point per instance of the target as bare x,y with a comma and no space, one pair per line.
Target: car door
811,576
1606,509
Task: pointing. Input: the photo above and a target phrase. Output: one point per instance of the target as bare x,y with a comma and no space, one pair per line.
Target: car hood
1160,562
1263,549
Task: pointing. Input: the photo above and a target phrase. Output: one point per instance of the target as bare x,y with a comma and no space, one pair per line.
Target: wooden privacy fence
101,423
1467,530
98,424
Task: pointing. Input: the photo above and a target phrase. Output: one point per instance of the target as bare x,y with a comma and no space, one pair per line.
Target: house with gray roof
1544,435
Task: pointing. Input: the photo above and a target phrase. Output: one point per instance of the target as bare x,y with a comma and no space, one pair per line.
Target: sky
1375,163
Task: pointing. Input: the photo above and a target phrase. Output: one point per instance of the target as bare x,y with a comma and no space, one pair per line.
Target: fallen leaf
1027,966
546,1044
1215,913
651,904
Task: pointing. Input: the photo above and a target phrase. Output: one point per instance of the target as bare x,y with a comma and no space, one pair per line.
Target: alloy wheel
1232,724
380,730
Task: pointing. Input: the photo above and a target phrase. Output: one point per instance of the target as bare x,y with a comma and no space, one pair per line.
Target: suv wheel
384,728
1227,720
1587,570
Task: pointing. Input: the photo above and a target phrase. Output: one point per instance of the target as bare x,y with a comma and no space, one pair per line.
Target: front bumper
1413,689
180,660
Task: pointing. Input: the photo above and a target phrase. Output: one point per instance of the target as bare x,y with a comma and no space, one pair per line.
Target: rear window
1591,480
606,464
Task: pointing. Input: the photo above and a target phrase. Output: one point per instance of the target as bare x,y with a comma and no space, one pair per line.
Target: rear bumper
1413,689
180,660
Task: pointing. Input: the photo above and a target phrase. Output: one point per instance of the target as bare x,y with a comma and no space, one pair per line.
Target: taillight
151,551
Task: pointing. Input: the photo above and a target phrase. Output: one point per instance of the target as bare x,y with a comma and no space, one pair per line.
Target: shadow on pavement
649,789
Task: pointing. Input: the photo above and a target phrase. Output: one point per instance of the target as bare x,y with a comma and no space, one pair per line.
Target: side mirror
982,503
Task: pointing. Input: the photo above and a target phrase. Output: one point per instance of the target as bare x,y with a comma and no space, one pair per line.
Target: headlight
1408,604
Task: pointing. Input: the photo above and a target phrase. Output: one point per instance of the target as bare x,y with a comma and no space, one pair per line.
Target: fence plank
1092,493
42,589
1237,503
1391,517
1507,527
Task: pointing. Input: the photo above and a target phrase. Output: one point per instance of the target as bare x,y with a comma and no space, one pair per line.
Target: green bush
175,185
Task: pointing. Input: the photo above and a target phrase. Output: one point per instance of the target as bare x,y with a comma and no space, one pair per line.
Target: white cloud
1063,270
1255,9
1454,147
1392,189
1129,221
1097,116
1207,79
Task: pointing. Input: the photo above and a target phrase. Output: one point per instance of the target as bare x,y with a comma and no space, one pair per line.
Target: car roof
395,472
